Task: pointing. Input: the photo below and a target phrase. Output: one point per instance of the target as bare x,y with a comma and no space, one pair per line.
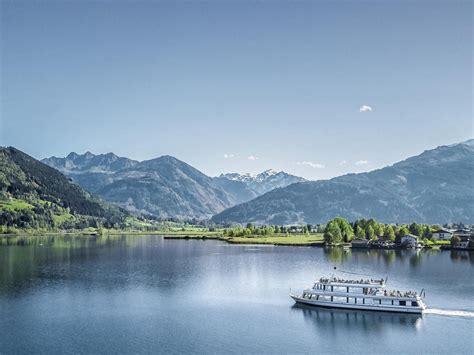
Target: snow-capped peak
265,181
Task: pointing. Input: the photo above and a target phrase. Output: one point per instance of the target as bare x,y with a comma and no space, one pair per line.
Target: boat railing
397,293
328,280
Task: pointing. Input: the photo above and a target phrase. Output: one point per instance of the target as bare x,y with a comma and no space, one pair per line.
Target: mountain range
436,186
164,187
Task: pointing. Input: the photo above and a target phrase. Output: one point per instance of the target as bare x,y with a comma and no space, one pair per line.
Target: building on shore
442,234
464,236
409,241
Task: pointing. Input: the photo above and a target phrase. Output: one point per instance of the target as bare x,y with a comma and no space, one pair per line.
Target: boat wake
449,313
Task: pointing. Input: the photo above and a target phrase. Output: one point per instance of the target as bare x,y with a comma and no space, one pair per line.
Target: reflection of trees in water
337,254
69,241
108,262
326,319
462,255
388,257
24,259
415,258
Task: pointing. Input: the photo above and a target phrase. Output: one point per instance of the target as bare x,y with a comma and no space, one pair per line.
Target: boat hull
379,308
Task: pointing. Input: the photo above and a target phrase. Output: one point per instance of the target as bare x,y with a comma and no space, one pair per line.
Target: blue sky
238,86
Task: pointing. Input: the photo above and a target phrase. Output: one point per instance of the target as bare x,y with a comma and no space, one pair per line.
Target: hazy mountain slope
237,191
27,179
166,187
435,187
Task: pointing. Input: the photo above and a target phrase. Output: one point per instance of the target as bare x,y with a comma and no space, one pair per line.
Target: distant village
462,238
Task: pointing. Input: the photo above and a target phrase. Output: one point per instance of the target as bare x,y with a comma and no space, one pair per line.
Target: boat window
414,304
403,303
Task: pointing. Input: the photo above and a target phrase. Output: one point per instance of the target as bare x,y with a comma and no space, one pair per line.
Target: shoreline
297,240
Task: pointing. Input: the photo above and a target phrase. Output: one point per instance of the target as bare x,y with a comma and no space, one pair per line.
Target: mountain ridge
164,186
434,186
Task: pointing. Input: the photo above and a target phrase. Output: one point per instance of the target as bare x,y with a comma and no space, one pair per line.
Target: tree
346,229
427,232
370,232
389,233
332,233
403,231
360,233
378,230
416,229
455,240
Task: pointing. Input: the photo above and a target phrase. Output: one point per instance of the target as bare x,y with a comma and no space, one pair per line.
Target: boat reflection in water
335,320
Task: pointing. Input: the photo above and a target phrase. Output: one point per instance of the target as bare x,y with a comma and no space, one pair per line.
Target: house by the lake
442,234
464,236
409,241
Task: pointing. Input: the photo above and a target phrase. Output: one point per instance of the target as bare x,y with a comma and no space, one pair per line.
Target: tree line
339,230
268,230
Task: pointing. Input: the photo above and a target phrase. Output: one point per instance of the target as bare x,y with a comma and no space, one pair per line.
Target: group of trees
251,230
340,230
262,230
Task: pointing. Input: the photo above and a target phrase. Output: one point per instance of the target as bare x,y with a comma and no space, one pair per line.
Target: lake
143,294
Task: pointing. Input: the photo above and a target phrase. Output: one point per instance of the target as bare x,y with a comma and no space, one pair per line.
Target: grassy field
14,204
292,239
277,239
61,218
178,234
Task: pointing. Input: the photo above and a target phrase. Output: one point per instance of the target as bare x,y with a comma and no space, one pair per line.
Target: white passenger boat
360,294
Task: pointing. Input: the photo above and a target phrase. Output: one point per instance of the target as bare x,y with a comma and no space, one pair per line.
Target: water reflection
388,257
462,255
26,261
69,241
325,319
102,262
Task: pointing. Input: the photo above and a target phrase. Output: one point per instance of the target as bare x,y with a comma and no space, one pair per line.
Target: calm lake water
143,294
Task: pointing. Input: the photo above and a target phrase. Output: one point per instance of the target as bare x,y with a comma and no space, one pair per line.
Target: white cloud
228,156
252,157
311,164
365,108
342,163
361,162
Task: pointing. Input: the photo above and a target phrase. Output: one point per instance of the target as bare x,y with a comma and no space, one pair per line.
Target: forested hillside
34,195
